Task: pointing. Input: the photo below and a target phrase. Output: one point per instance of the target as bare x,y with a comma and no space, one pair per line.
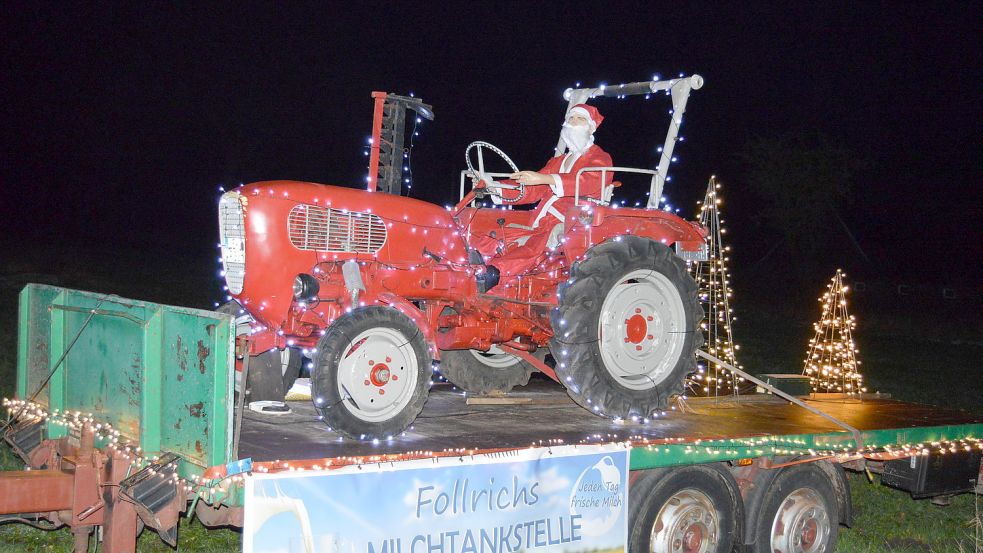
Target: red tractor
375,286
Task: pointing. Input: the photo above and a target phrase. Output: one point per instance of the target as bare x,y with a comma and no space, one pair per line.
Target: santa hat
590,113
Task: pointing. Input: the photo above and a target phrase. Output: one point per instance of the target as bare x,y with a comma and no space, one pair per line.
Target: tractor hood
275,230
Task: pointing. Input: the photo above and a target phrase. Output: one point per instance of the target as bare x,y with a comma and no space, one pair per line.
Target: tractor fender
605,223
418,317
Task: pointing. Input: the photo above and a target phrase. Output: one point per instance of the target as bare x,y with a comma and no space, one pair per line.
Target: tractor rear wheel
627,328
271,373
371,376
485,372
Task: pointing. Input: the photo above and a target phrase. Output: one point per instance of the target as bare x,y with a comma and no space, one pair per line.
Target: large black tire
695,508
350,385
271,373
641,365
291,368
477,372
799,512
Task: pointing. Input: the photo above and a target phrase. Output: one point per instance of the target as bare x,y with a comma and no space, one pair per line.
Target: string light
713,279
406,153
213,487
222,482
831,363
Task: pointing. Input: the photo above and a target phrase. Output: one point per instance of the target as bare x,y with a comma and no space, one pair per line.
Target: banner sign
569,498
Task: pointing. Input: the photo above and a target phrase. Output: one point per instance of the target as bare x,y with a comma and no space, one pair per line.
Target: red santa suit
555,198
558,196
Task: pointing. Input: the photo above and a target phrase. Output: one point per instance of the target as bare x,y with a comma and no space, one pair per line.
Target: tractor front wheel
627,328
371,376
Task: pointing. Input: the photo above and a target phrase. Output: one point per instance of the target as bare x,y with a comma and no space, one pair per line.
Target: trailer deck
542,414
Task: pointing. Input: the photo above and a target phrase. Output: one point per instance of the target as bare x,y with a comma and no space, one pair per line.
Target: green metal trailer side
160,375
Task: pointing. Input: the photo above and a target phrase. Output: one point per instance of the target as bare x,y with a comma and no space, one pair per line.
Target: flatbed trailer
542,413
111,441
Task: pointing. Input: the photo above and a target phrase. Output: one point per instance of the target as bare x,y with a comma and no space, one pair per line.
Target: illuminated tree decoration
713,279
831,364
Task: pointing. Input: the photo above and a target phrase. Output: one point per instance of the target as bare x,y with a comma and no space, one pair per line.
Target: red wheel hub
380,374
809,534
636,329
693,538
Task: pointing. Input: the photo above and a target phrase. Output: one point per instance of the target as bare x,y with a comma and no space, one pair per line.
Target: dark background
119,124
117,127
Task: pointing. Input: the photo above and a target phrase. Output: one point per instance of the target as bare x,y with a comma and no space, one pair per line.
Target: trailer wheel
482,372
371,376
626,329
798,513
690,509
271,373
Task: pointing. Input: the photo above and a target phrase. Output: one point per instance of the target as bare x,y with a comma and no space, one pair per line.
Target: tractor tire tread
469,374
324,375
576,319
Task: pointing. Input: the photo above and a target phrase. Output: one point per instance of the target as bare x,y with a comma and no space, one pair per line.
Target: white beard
577,137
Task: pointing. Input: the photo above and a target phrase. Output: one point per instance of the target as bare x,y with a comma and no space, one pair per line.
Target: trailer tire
610,358
478,372
802,497
371,375
694,508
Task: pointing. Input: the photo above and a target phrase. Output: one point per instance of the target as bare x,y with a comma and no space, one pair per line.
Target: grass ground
939,365
889,520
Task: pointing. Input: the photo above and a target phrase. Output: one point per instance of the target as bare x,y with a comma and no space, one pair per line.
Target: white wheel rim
495,358
801,524
377,374
686,523
642,329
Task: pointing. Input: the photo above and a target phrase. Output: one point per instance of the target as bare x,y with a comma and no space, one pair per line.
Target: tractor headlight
306,287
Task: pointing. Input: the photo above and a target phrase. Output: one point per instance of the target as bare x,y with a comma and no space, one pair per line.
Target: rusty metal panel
35,491
161,375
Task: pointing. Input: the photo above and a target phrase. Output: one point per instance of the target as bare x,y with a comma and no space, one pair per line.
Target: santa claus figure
554,188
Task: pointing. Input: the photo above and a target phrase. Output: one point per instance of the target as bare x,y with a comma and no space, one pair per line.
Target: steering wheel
476,175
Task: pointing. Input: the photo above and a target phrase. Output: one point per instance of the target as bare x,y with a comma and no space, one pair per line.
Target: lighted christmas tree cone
831,364
713,278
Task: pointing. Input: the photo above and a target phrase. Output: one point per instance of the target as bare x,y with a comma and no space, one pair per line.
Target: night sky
119,125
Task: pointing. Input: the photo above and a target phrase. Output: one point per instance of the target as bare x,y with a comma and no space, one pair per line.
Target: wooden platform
544,412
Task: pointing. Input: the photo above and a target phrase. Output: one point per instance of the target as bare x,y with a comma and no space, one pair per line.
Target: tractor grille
232,233
324,229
